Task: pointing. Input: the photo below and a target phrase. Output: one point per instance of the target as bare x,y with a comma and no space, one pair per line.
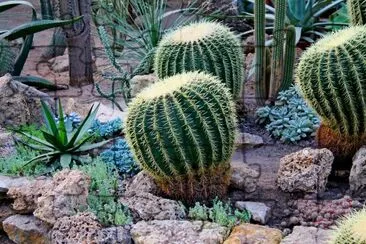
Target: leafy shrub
220,213
290,119
103,195
119,154
106,129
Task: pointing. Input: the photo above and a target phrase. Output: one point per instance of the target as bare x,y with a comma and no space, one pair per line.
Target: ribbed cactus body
7,57
181,130
290,58
332,77
203,46
357,11
351,229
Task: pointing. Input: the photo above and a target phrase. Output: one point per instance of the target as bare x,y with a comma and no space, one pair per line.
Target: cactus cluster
181,130
357,11
202,46
351,229
332,77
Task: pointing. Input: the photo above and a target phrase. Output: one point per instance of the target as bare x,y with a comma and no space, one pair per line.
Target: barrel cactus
351,229
332,77
181,130
357,11
202,46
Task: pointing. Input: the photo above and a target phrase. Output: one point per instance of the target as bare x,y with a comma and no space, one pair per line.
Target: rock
307,235
174,232
7,144
6,182
248,140
115,235
19,103
249,44
243,177
254,234
78,229
60,64
357,177
26,229
139,82
107,113
305,171
64,196
145,206
5,212
25,194
142,182
259,211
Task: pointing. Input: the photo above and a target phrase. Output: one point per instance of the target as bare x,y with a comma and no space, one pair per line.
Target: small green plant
103,193
351,229
60,147
290,119
221,213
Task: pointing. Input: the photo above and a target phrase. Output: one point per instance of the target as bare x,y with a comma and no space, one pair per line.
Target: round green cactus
181,130
351,229
202,46
332,77
357,11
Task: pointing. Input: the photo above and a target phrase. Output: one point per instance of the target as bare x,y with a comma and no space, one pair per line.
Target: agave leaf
54,141
11,4
49,119
62,128
41,157
36,139
39,82
92,146
65,160
23,55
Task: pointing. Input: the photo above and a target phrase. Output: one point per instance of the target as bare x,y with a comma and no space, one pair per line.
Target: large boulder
307,235
254,234
146,206
26,229
64,196
305,171
19,103
174,231
357,177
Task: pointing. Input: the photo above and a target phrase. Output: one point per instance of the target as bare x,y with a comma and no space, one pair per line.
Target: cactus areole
181,130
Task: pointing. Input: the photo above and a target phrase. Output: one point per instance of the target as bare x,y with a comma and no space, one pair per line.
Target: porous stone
142,182
26,229
357,177
7,144
139,82
243,177
254,234
305,171
176,232
115,235
5,212
260,212
307,235
6,182
145,206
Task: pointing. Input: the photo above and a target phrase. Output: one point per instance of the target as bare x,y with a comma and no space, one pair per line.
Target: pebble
294,220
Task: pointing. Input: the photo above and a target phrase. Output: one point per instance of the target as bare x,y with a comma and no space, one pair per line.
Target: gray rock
6,182
307,235
115,235
26,229
5,212
142,182
248,140
140,82
60,64
260,212
357,177
177,232
145,206
7,144
243,177
305,171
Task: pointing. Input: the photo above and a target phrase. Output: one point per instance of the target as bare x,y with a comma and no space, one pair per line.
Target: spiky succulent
351,229
332,77
357,11
181,130
202,46
7,58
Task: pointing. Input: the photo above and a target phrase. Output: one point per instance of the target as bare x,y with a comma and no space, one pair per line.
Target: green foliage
103,195
220,213
203,46
60,146
357,11
331,75
340,16
7,58
350,229
290,119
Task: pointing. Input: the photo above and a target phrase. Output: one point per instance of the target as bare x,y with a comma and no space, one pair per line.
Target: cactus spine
261,83
290,56
357,11
351,229
332,77
277,54
202,46
181,130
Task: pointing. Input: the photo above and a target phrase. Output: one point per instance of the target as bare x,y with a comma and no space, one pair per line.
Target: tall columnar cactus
277,53
351,229
181,130
202,46
332,77
357,11
290,57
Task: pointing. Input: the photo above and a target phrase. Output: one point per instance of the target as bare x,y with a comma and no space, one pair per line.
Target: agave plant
14,63
60,146
305,15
